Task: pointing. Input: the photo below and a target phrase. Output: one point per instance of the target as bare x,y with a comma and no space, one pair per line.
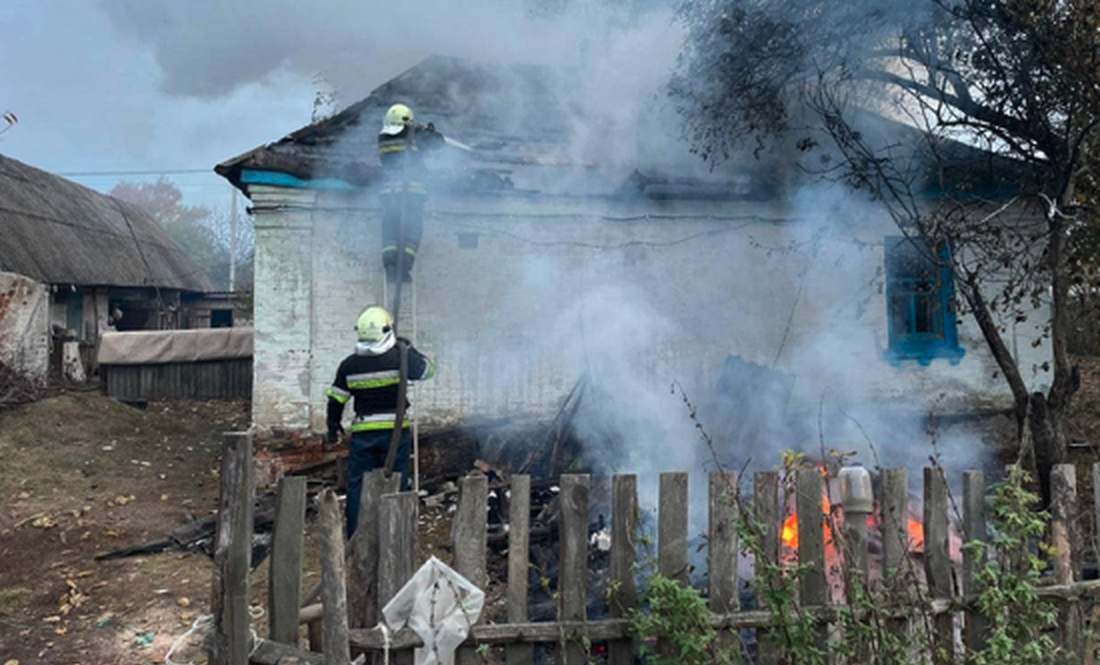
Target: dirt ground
82,475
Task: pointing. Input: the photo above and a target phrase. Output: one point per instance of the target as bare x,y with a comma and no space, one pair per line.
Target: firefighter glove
335,431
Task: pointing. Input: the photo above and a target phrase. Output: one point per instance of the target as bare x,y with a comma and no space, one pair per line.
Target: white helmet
375,328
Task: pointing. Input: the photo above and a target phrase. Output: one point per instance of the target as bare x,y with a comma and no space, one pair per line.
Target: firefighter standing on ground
400,149
371,376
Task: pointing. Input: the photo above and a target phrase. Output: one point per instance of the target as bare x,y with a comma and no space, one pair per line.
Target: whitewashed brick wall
512,322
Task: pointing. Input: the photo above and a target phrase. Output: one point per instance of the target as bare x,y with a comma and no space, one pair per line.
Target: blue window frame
920,302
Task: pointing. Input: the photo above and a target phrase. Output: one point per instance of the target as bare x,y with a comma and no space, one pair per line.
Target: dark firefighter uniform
404,189
370,377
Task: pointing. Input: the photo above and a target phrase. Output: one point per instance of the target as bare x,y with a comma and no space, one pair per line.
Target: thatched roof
58,232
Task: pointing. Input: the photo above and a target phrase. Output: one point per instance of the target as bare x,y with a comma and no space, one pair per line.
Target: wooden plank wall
216,379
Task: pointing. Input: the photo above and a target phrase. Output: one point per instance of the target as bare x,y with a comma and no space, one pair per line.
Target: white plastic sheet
440,606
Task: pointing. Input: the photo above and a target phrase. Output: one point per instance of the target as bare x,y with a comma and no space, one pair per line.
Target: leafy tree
204,235
1017,79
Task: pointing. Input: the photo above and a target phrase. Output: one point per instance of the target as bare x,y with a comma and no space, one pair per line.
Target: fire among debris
789,533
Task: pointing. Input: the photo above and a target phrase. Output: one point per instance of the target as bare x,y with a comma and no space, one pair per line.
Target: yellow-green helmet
375,328
397,119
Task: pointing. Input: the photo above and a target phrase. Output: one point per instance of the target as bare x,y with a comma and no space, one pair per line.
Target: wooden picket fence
381,558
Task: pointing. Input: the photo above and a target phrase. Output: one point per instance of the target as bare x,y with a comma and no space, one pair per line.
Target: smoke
666,306
207,48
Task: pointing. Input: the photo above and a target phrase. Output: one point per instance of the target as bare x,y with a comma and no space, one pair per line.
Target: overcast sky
168,85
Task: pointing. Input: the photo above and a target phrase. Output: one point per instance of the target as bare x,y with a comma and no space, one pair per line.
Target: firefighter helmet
375,328
397,119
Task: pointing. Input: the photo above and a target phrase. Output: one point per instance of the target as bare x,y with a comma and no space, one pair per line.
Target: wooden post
895,522
573,582
722,553
396,550
813,587
766,507
974,530
1096,507
672,527
624,527
1063,480
469,534
363,602
285,577
937,560
233,553
335,619
519,530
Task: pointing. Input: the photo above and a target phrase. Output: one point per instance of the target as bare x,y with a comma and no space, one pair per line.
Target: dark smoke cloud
208,48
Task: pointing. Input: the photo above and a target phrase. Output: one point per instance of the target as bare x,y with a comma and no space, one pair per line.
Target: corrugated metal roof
58,232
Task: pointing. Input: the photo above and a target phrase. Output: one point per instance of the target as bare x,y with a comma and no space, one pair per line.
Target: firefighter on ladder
401,146
371,376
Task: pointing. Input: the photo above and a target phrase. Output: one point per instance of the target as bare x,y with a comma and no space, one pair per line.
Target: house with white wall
551,249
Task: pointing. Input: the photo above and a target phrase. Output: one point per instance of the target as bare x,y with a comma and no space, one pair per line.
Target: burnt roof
58,232
522,122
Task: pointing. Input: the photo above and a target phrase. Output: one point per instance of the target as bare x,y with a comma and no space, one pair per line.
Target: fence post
519,531
363,602
767,517
396,549
974,529
895,542
722,553
469,534
1063,529
672,526
233,553
624,525
813,587
937,560
573,581
285,577
334,621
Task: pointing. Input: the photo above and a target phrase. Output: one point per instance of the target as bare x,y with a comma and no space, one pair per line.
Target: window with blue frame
920,301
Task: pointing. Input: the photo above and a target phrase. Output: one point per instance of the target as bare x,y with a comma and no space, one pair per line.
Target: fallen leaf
11,662
61,630
53,619
184,602
163,497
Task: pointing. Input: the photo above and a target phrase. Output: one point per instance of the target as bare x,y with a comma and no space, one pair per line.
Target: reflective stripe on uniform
374,422
374,380
341,396
389,249
429,371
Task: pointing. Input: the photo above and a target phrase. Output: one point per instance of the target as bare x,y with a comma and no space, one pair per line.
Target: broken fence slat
519,525
768,518
363,602
469,533
624,529
809,504
396,549
335,619
233,553
974,529
573,582
285,577
937,559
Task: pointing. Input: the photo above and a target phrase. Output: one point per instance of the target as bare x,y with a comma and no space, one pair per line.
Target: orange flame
789,533
916,535
790,526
